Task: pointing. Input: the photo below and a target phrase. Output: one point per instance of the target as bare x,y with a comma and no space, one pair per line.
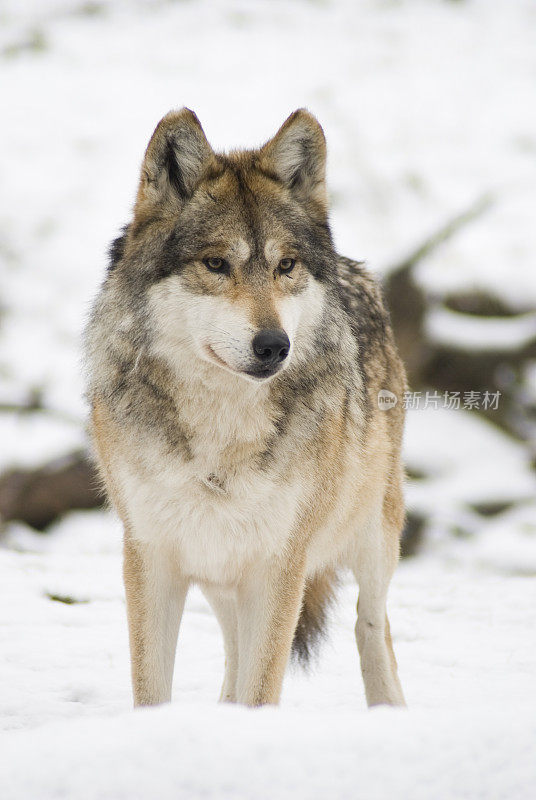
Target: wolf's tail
312,623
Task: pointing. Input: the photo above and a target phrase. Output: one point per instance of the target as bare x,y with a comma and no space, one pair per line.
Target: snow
427,106
469,463
481,334
466,658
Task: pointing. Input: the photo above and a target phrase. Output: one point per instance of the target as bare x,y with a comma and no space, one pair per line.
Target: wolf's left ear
177,157
297,157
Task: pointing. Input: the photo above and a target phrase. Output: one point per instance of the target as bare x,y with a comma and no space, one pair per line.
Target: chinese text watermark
472,400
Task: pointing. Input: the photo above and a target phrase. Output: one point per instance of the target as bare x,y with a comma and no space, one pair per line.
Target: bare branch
444,233
34,404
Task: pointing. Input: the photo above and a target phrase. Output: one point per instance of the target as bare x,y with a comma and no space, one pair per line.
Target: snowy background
427,105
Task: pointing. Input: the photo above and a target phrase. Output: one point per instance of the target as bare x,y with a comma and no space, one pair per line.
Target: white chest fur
216,510
213,523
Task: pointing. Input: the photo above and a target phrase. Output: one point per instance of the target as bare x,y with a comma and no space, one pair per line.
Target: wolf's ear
297,156
177,157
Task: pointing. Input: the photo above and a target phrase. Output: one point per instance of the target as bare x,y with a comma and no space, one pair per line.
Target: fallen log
40,496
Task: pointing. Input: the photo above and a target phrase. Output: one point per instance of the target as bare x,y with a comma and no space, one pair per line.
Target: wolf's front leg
269,602
155,601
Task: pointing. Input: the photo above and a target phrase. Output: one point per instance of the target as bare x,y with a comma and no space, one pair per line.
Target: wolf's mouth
262,374
259,374
215,357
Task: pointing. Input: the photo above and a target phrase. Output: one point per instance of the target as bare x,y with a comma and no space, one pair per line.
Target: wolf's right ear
177,157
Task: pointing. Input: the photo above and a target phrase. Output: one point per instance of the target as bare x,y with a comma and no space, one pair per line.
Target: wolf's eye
287,265
216,264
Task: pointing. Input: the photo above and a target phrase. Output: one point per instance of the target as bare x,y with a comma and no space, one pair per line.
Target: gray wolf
234,362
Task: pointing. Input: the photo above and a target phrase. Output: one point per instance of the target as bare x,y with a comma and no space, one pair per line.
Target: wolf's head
233,251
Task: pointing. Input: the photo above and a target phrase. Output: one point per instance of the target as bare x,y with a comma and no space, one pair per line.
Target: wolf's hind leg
373,570
224,607
155,601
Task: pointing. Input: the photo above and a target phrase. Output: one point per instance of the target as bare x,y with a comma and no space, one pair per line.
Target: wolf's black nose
271,346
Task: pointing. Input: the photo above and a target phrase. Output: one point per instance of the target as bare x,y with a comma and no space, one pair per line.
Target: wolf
234,362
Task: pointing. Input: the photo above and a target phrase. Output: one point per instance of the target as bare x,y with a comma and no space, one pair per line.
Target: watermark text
470,401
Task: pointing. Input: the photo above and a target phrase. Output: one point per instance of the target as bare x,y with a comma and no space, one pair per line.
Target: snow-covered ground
427,106
464,638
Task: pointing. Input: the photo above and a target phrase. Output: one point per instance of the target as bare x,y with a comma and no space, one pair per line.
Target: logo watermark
472,400
386,399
